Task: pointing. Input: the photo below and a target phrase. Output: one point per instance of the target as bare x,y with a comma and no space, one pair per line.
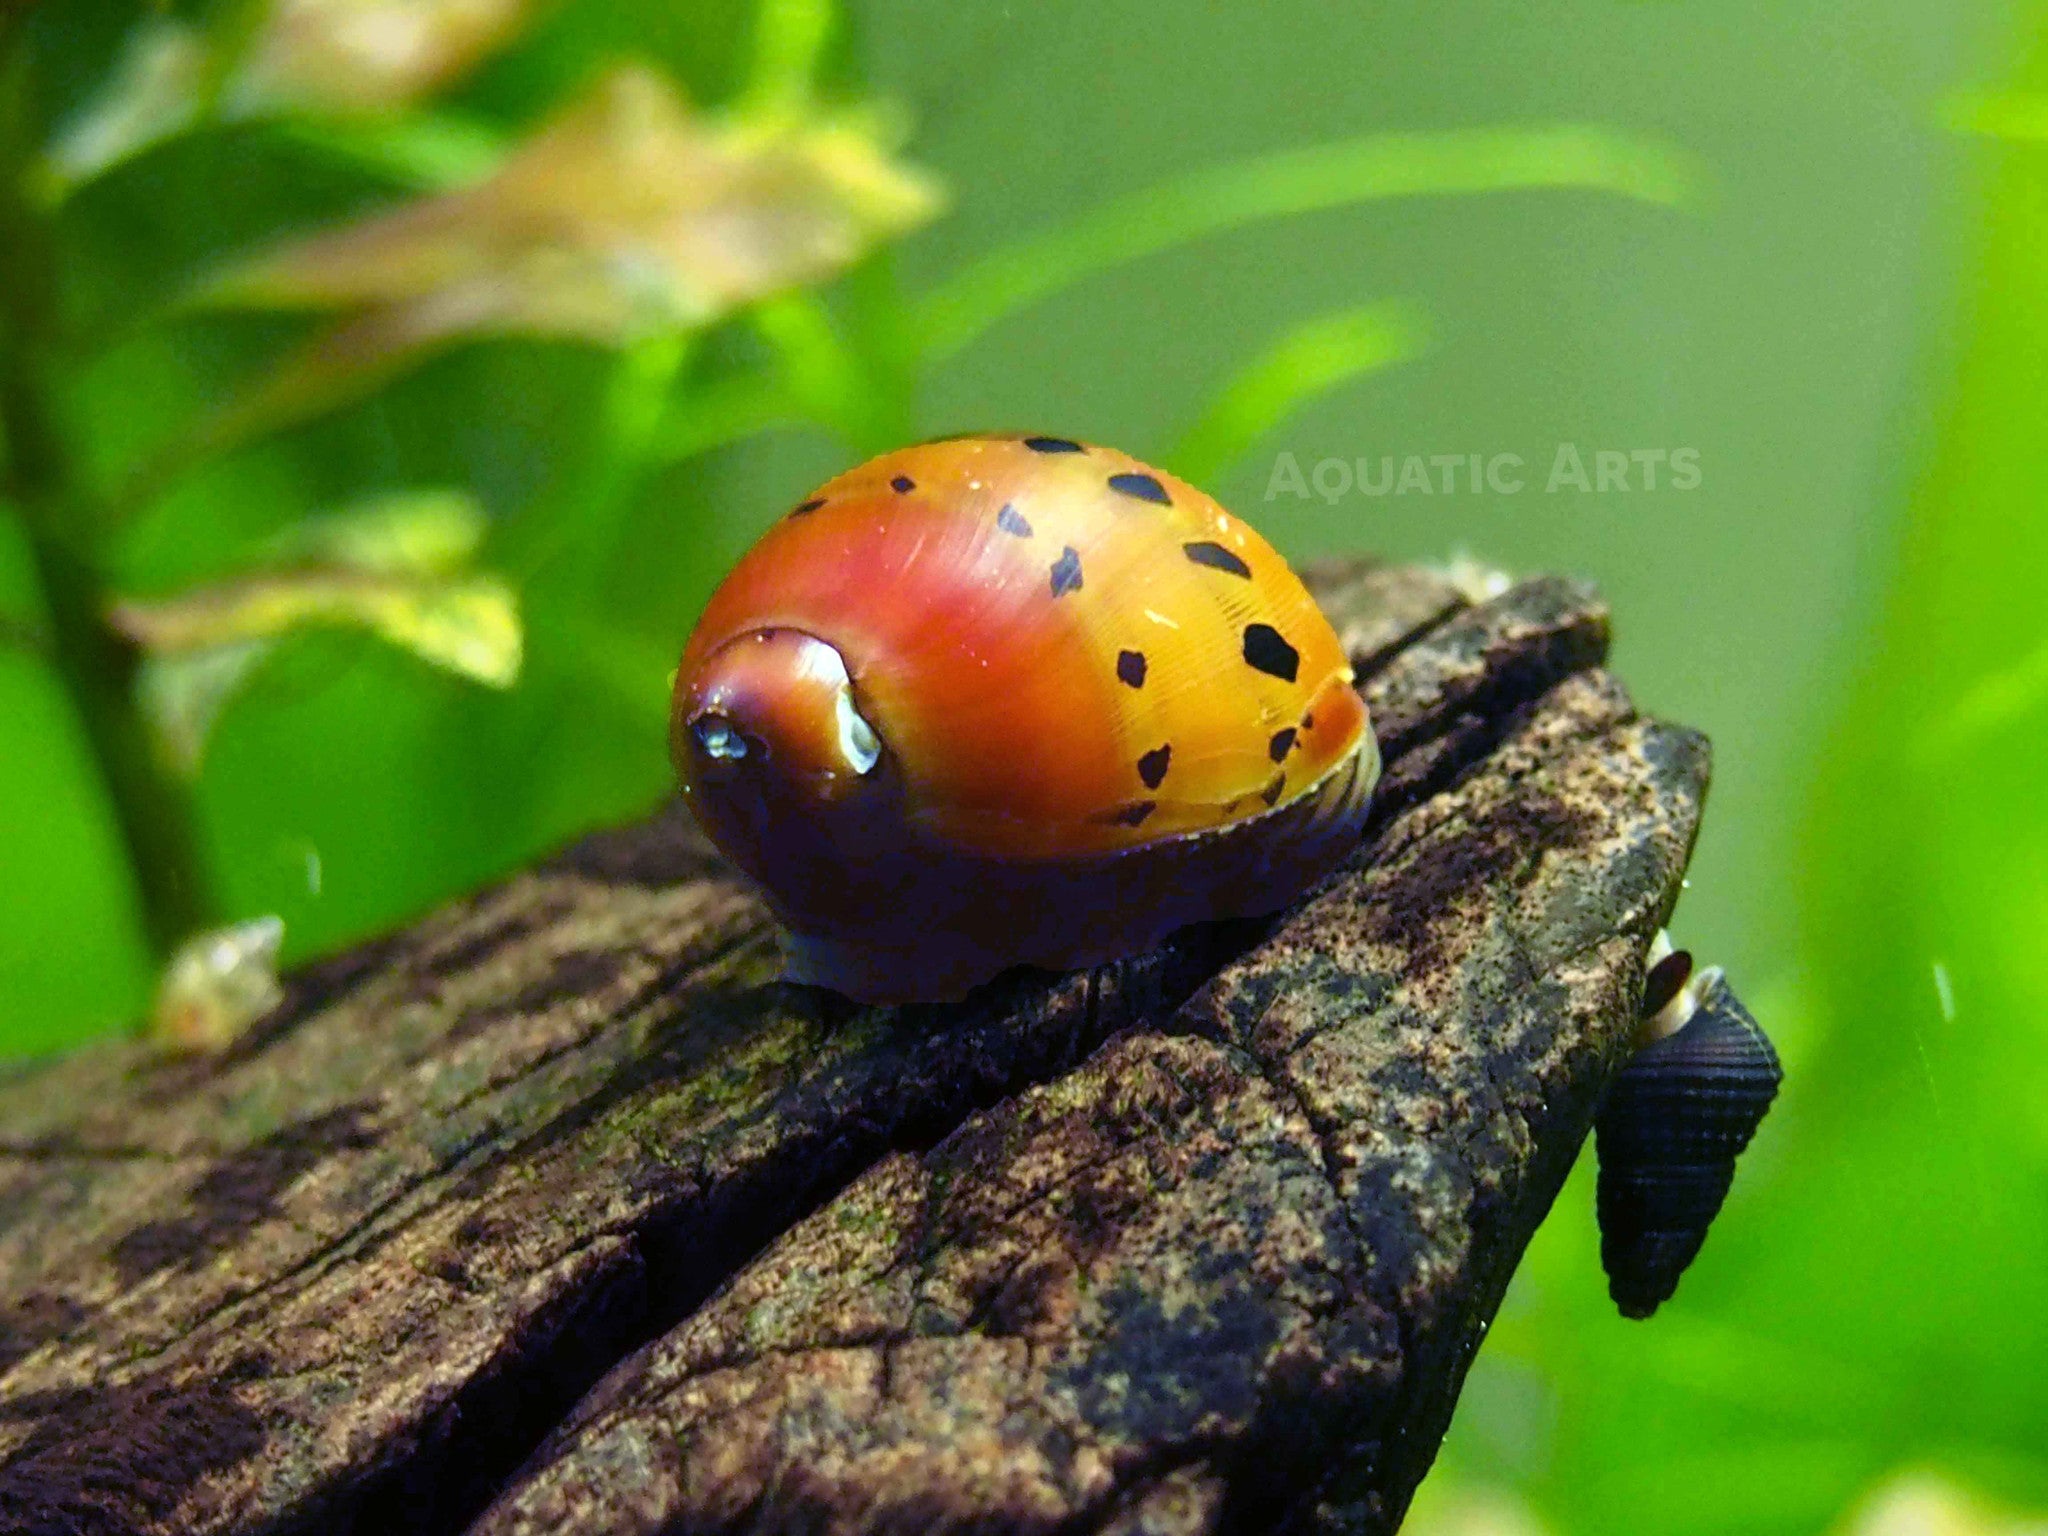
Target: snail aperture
1002,700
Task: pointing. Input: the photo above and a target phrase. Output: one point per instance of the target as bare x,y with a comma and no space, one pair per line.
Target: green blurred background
1807,242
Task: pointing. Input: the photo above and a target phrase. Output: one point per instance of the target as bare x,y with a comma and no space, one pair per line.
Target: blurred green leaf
396,565
623,217
1931,834
712,415
400,533
634,674
1296,181
335,367
1307,361
583,519
2001,701
1922,1502
1468,1508
184,693
823,376
19,634
789,40
2000,114
469,625
422,151
335,72
366,56
156,90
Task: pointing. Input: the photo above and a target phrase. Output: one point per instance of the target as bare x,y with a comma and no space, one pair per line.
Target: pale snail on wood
1676,1116
216,985
1002,700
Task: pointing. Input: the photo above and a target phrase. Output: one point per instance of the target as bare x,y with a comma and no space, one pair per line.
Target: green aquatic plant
190,461
1861,1350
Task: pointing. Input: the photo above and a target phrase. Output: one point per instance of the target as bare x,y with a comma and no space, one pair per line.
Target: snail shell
1014,700
216,985
1676,1116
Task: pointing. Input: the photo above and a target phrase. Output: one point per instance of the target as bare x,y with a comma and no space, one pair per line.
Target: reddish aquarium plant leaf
398,566
468,625
305,59
370,55
626,215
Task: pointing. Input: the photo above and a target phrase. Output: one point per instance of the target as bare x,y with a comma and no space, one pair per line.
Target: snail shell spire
1675,1118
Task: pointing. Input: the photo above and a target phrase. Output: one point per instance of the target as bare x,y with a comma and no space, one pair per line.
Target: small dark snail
993,701
1675,1118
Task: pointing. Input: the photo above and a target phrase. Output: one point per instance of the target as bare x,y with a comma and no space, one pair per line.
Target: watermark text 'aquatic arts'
1584,471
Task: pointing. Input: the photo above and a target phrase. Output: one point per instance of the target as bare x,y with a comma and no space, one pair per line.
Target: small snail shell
216,985
1676,1116
1014,700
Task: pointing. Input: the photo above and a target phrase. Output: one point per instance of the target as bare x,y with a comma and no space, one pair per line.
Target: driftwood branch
558,1212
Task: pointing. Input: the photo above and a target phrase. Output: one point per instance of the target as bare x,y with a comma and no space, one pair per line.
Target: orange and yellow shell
974,677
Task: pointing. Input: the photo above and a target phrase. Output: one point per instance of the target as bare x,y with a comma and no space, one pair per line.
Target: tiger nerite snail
1002,700
1675,1118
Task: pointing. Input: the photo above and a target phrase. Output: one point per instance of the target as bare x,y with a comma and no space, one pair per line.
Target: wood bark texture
558,1212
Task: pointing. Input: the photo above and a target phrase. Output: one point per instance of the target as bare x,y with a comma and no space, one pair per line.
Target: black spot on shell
1066,572
1308,721
1052,445
1143,487
902,484
1267,649
808,506
1217,558
1130,815
1130,668
1281,744
1152,766
1271,793
1013,522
